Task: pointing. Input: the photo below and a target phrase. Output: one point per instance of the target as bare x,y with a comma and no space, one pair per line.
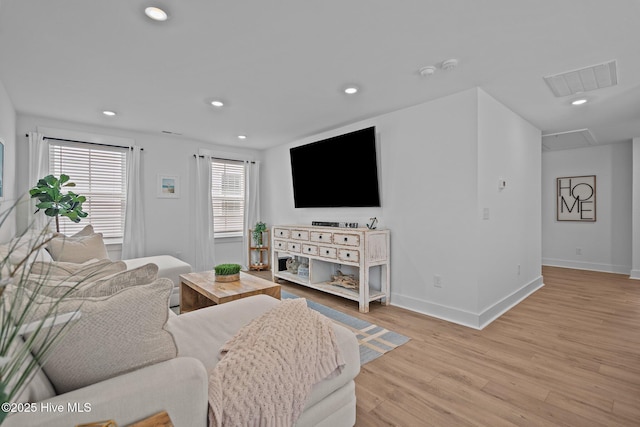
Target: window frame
235,166
57,168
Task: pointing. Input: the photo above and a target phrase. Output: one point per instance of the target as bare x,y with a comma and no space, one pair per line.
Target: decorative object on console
292,265
227,272
372,226
48,191
335,224
303,270
344,280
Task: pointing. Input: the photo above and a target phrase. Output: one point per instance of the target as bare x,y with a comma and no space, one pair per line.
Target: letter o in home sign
576,199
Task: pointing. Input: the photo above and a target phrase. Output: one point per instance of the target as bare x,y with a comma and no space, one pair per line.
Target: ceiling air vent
570,139
584,79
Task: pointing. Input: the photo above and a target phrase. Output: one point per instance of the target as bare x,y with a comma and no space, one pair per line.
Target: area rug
373,340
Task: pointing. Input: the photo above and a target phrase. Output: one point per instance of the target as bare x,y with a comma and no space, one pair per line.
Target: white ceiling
280,65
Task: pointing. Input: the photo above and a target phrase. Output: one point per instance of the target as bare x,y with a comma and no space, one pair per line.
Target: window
99,173
227,195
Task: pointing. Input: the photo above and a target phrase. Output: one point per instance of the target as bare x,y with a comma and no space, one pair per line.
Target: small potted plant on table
227,272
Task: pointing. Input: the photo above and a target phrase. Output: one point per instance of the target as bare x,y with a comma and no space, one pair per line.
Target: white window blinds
227,195
99,173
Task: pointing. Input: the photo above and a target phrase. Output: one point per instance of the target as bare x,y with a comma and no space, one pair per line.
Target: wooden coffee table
199,290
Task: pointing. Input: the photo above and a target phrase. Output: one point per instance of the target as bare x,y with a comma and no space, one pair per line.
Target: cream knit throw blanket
269,366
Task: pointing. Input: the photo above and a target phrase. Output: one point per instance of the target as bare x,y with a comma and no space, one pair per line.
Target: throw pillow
77,249
95,267
111,284
92,285
113,335
86,231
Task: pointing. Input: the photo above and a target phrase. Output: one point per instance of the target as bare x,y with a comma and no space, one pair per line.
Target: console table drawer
346,239
348,255
326,252
300,234
310,250
281,232
280,244
293,247
320,237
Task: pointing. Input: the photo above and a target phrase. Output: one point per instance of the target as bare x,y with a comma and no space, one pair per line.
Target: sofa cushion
113,335
94,267
95,283
77,249
38,387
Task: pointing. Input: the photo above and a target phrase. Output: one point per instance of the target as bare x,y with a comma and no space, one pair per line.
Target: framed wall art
168,186
576,198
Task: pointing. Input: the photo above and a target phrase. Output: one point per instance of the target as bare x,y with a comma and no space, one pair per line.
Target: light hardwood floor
568,355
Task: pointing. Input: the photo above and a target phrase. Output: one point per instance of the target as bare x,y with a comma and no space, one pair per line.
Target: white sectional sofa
130,356
179,385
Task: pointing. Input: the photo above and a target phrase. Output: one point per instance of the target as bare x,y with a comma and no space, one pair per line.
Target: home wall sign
576,199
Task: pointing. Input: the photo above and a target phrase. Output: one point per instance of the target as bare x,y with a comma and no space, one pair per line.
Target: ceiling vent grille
570,139
583,80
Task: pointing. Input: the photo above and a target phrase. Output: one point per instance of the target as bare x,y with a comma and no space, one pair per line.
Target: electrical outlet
578,251
437,281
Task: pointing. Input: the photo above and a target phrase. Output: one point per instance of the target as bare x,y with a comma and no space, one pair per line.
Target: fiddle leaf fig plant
53,201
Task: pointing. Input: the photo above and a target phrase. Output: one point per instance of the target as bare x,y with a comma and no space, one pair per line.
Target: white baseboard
582,265
635,274
491,313
464,317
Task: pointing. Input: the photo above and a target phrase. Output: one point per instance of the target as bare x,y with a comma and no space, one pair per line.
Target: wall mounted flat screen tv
337,172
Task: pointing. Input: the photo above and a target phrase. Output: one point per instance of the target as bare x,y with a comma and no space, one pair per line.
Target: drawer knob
327,252
309,249
348,254
345,239
320,237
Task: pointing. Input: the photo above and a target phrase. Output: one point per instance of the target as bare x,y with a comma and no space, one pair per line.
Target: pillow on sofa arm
77,249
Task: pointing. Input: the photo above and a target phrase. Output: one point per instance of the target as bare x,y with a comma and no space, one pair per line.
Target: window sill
228,237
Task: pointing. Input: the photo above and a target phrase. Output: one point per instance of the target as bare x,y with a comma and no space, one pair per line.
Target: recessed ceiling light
242,136
109,113
579,101
217,103
351,90
156,13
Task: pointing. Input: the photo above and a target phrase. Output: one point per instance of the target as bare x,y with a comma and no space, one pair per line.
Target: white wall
606,243
510,240
8,136
429,176
168,222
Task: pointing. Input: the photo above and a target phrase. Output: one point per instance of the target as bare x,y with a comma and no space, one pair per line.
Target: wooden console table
325,249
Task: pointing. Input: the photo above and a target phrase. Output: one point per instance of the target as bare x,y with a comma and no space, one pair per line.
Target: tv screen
337,172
